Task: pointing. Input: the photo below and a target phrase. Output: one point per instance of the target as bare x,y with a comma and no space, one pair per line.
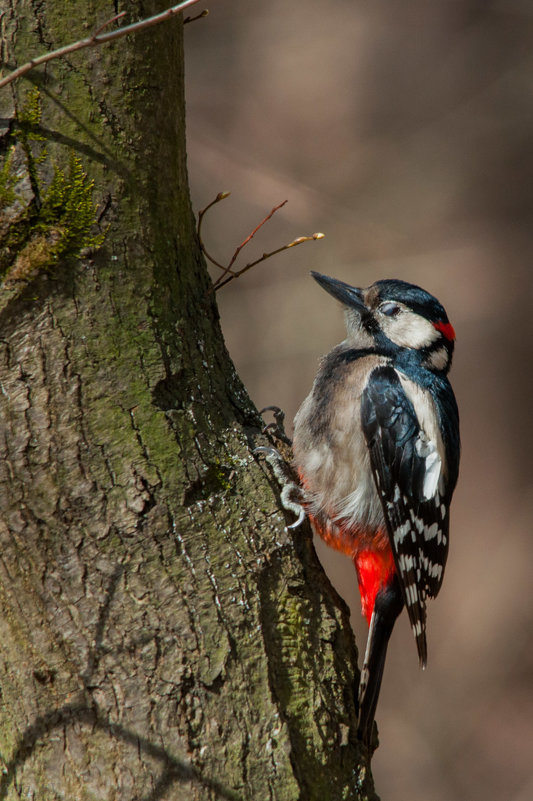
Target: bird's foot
292,495
277,428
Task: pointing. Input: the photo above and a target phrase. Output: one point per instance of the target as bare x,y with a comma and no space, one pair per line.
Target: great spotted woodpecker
376,446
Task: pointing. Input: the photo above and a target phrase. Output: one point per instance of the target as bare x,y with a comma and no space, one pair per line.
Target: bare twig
251,236
98,38
227,270
228,274
299,241
108,23
201,214
201,15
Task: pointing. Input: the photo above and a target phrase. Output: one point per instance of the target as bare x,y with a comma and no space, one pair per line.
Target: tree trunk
161,634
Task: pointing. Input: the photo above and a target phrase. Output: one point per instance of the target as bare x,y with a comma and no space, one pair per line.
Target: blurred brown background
404,132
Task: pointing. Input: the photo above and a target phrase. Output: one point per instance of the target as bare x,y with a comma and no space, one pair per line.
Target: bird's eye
390,309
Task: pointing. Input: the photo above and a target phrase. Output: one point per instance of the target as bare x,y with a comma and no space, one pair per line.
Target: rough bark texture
161,634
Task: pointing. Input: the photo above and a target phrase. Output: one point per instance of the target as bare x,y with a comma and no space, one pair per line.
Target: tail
387,607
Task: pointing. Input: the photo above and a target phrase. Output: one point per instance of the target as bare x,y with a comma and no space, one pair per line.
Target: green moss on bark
59,220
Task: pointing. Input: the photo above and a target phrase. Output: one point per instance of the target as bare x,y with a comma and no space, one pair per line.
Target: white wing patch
429,445
427,450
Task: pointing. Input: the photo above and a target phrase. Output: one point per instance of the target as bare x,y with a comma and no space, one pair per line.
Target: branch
299,241
227,270
256,229
201,15
98,38
219,197
220,282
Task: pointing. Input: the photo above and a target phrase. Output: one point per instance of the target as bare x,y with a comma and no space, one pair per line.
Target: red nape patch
446,330
375,569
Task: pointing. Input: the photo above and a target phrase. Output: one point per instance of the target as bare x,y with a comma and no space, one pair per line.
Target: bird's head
392,315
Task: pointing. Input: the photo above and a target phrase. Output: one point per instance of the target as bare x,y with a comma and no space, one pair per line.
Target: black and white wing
408,472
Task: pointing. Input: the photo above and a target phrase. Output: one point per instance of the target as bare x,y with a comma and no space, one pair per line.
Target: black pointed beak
349,295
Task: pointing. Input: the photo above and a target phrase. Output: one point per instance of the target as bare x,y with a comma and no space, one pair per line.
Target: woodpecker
376,446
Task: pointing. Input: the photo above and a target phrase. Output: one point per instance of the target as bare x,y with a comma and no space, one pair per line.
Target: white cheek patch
410,330
438,360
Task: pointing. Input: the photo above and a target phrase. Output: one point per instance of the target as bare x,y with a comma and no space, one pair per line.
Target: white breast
331,452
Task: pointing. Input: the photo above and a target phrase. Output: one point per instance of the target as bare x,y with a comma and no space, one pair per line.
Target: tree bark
162,636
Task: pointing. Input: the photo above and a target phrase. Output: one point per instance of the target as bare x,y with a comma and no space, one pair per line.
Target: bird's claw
277,428
289,488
